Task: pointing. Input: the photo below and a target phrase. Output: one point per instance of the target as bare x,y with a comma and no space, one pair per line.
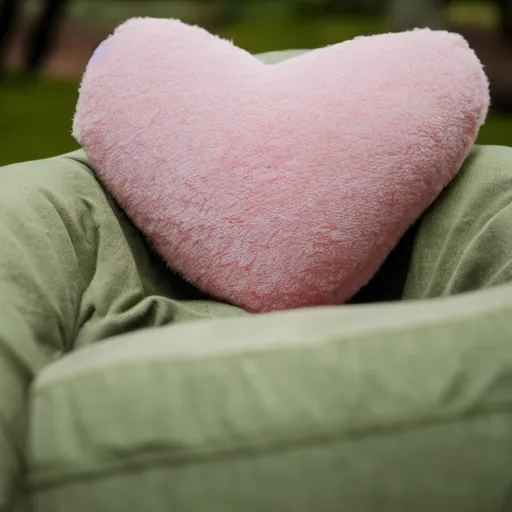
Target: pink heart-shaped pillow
277,186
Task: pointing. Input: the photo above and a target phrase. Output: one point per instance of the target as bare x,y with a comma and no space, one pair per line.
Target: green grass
35,119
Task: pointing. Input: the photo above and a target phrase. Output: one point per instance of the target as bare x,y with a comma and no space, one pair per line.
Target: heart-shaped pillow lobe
285,185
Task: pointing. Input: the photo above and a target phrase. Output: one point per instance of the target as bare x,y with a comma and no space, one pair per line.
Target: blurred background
45,45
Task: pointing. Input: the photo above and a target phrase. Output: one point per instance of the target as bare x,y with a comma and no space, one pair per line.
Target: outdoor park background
35,116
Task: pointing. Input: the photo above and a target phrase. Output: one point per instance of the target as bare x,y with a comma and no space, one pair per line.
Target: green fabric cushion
73,270
389,407
465,240
276,57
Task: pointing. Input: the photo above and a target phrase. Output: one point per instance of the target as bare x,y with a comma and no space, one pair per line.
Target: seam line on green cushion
60,478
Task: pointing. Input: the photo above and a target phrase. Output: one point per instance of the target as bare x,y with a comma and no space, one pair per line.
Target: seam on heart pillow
277,186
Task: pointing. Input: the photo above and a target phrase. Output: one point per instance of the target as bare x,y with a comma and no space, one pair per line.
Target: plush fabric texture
277,186
402,407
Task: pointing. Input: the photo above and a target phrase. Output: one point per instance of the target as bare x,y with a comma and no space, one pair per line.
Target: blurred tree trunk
44,34
506,19
10,11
